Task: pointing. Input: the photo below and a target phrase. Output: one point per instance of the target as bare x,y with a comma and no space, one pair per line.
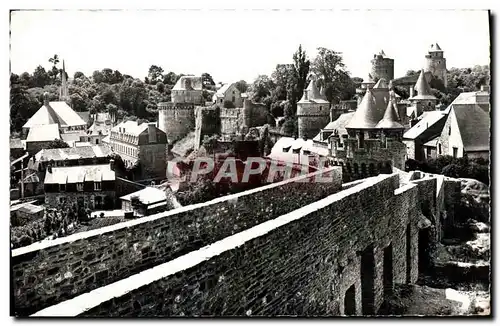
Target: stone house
228,93
146,201
85,186
428,128
143,144
466,132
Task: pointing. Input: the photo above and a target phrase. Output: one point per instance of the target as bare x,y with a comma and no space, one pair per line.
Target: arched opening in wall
367,281
424,240
363,170
408,254
350,301
371,169
388,272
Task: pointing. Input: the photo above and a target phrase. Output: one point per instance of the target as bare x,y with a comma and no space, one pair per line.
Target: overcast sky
234,45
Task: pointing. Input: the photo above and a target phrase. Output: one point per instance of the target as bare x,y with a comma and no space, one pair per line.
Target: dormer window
307,152
286,149
296,150
97,186
79,186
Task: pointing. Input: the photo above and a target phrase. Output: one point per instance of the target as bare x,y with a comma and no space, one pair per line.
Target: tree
207,80
54,72
57,143
242,86
77,102
40,77
261,88
54,60
154,73
412,73
329,68
170,79
301,65
160,87
228,105
79,74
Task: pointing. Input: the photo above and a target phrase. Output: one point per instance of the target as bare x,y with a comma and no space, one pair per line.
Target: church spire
63,94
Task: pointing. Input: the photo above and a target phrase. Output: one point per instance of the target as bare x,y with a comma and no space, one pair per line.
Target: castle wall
300,263
48,272
176,120
251,115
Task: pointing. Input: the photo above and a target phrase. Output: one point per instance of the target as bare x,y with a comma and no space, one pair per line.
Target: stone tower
423,100
313,112
435,63
382,67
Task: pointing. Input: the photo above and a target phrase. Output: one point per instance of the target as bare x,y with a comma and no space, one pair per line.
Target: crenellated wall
300,263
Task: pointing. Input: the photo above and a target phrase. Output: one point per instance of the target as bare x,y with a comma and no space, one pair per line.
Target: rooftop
428,119
81,173
390,119
131,128
435,48
474,126
187,83
313,94
338,125
148,195
72,153
55,113
423,89
47,132
366,116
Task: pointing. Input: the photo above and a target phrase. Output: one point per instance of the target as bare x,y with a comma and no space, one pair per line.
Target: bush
452,170
228,105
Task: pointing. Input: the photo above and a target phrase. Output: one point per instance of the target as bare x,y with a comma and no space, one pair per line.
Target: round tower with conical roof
313,112
435,62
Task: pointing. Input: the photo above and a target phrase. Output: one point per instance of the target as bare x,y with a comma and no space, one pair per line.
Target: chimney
305,94
411,91
152,132
331,113
112,164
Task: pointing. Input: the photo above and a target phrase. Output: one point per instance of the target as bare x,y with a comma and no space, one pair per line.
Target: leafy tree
261,88
160,87
154,74
79,74
301,64
98,77
242,86
170,79
57,143
228,104
207,80
332,75
40,77
77,102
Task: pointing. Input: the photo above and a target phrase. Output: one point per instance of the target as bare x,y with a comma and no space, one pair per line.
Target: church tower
63,92
435,63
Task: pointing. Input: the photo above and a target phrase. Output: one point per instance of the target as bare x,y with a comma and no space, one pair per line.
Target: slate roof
427,120
423,89
367,115
131,127
313,94
73,136
435,48
148,195
55,113
474,126
72,153
381,84
338,124
194,82
84,115
390,119
432,143
80,173
222,91
47,132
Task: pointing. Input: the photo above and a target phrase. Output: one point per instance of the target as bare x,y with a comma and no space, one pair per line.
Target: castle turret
313,112
382,67
435,62
390,119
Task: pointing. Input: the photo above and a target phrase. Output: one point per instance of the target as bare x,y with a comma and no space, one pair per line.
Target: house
428,127
466,132
83,186
143,145
58,113
481,98
228,93
23,213
40,136
147,201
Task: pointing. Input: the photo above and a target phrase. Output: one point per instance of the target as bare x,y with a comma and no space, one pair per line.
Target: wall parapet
51,271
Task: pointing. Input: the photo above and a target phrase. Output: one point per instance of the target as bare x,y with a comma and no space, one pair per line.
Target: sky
238,44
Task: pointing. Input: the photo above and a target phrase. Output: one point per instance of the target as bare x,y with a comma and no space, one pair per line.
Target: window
455,152
233,98
439,149
97,141
79,186
449,130
428,152
286,149
97,186
62,187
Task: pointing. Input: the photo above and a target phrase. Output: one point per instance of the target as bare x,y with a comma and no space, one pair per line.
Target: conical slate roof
381,84
313,94
366,115
435,48
422,87
390,119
